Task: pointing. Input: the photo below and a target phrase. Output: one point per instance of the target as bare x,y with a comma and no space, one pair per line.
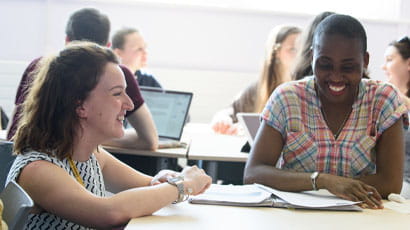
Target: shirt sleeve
145,79
390,108
274,112
25,82
22,91
133,89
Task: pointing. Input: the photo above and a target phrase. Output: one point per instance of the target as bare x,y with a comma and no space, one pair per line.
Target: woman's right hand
196,179
224,125
351,189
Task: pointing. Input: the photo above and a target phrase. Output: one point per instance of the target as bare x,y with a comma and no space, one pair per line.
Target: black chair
6,160
3,119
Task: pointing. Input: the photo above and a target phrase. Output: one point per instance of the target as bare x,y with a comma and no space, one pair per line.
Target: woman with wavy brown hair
77,101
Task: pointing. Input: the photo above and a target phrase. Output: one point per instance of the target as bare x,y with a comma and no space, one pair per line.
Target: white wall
213,52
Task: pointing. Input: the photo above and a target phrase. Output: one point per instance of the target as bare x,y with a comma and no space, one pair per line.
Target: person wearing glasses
333,130
397,69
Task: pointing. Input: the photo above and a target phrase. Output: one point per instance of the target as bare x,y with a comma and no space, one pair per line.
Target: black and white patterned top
90,172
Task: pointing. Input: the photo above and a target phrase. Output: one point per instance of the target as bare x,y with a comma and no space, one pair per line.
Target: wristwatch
313,178
178,181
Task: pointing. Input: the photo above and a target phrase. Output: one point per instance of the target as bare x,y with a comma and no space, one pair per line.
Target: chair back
6,160
17,205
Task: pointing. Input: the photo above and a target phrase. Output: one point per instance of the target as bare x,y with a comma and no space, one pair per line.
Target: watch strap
179,183
313,178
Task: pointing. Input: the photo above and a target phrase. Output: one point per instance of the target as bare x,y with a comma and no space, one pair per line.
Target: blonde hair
303,62
270,75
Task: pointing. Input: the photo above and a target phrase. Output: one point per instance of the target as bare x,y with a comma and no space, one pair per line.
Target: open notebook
169,110
256,195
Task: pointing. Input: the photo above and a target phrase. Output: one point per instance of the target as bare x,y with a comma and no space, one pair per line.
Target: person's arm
22,91
53,190
260,168
144,135
389,161
119,176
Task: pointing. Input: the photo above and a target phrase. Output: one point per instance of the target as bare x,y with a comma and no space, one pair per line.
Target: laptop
250,123
169,111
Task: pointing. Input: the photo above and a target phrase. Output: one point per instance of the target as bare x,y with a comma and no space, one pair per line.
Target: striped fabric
90,173
294,110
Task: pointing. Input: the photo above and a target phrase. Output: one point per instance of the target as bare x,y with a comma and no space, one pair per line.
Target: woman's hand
224,125
195,180
162,176
351,189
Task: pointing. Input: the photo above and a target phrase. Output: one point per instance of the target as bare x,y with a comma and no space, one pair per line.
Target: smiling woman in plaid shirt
333,130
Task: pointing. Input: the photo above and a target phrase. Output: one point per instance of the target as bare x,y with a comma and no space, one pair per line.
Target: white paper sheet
235,193
313,199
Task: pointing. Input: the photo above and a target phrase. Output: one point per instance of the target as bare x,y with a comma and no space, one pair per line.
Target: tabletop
194,216
203,144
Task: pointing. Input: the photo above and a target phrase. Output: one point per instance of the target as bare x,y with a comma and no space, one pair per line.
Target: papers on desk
257,195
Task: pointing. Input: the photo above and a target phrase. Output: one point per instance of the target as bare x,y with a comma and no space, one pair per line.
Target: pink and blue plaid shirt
294,109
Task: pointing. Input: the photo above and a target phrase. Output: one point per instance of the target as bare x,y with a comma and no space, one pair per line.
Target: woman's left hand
352,189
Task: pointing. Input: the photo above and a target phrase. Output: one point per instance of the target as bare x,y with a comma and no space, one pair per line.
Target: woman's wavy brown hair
49,121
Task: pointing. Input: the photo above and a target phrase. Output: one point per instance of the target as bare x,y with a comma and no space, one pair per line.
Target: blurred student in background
303,60
91,25
129,45
280,52
397,69
397,66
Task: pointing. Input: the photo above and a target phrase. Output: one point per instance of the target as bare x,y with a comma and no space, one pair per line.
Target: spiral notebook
256,195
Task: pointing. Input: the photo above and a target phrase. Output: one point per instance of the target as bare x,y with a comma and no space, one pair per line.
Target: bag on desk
257,195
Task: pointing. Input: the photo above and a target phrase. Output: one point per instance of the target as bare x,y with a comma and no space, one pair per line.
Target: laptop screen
250,122
169,110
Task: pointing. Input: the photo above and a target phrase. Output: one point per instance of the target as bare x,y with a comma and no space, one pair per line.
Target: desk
193,217
204,145
149,162
207,145
170,152
219,155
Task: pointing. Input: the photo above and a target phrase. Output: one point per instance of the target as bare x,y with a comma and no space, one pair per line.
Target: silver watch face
314,175
175,180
